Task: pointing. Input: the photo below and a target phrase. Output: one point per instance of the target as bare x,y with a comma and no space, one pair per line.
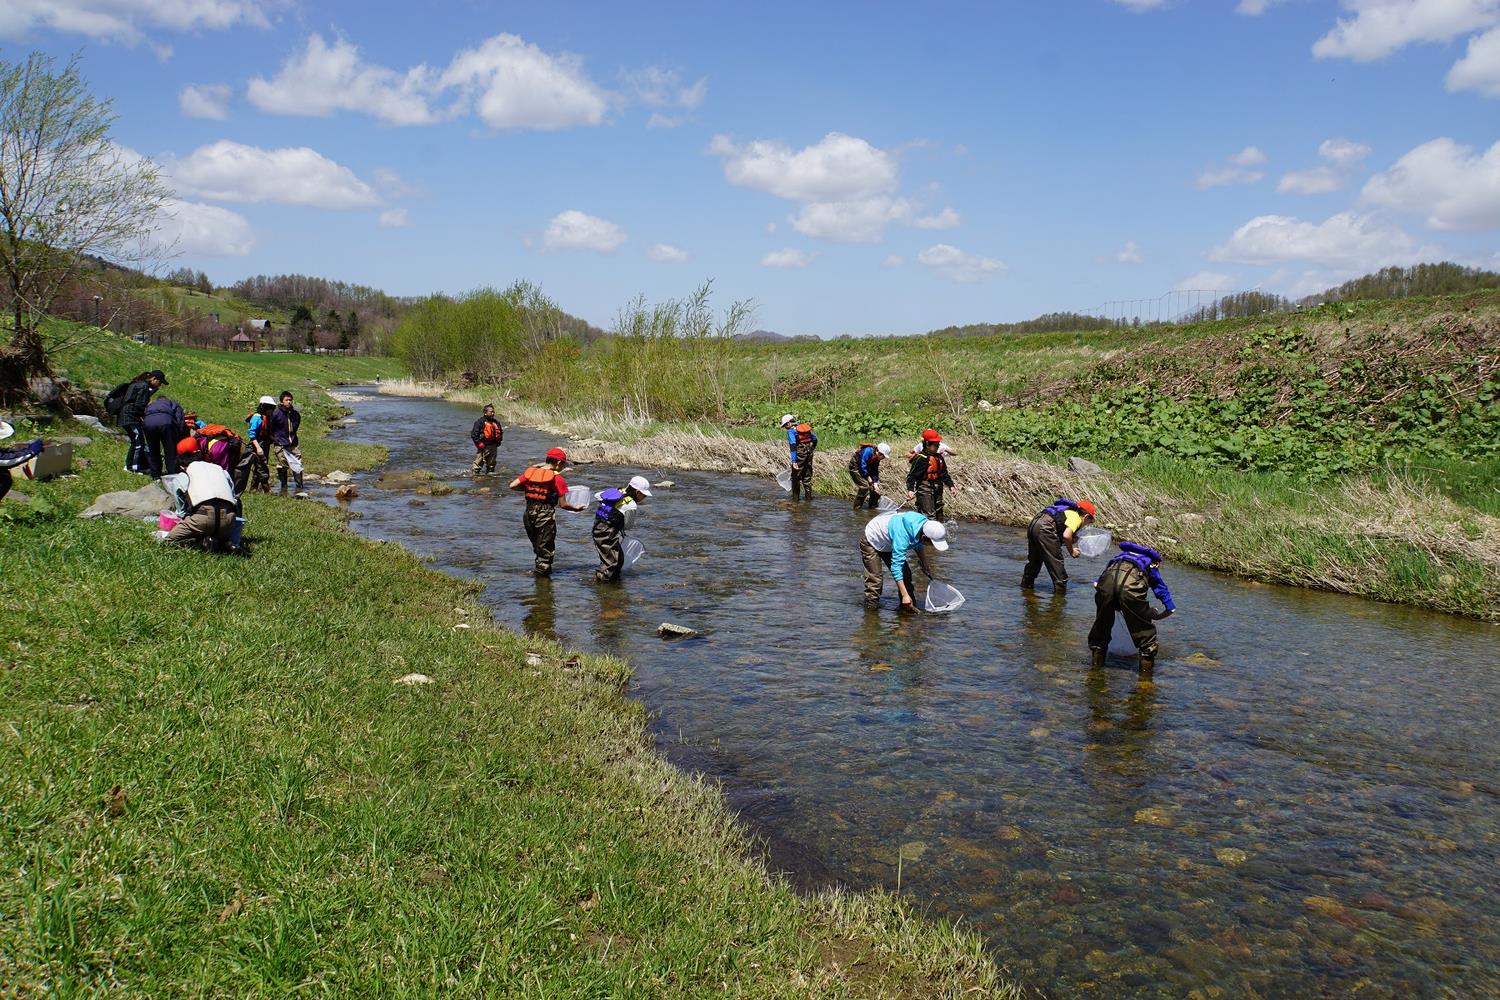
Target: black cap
159,375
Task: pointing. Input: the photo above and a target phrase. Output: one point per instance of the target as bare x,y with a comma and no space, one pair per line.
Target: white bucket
578,496
633,550
784,479
940,597
1093,542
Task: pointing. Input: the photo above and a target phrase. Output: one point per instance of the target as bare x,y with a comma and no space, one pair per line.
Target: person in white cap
801,443
864,469
887,542
258,433
613,515
211,509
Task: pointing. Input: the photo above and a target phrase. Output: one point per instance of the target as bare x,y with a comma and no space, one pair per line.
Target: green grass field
213,784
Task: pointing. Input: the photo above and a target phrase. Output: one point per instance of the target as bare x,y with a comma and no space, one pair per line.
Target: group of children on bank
890,538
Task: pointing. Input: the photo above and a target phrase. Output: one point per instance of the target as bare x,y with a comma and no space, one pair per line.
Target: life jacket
859,463
804,434
217,431
492,432
608,501
936,468
539,486
1138,555
1059,510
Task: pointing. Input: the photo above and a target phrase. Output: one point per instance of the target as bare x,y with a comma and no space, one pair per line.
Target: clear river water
1306,802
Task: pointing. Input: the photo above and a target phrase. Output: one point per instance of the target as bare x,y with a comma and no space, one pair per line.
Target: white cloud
231,171
892,260
663,88
1380,27
514,84
1239,170
326,78
575,230
959,265
1130,254
1344,240
659,120
837,168
946,219
209,100
1141,6
667,252
1340,157
1479,69
1454,188
1255,8
790,257
394,218
200,230
850,221
127,20
1205,281
389,182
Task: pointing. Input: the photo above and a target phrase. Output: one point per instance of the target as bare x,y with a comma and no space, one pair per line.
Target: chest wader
930,498
1123,588
864,489
1044,547
540,521
802,475
608,539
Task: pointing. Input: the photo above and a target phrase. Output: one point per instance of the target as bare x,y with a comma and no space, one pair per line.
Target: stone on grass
75,440
669,631
96,424
745,470
147,501
1084,467
412,680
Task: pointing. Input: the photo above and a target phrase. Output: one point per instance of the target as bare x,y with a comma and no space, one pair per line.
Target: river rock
76,440
45,390
348,491
405,480
913,850
16,496
665,484
1154,815
147,501
669,631
1148,522
745,470
338,476
412,680
1084,467
1231,856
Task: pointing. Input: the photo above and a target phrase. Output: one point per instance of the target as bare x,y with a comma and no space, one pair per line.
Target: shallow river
1306,803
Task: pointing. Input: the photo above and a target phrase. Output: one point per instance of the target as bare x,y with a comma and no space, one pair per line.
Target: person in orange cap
928,475
545,490
1049,532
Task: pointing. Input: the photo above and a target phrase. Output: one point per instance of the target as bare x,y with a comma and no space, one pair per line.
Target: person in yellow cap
545,491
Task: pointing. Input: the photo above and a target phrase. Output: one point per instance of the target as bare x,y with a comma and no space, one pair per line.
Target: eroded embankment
1392,540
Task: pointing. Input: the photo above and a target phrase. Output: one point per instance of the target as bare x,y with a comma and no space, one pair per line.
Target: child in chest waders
613,516
801,443
864,470
487,435
1048,533
1122,587
545,490
928,476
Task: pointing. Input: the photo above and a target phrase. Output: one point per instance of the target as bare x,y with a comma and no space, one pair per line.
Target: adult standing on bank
162,426
486,435
133,416
1122,587
613,516
285,420
864,469
545,491
887,541
1055,527
928,475
801,443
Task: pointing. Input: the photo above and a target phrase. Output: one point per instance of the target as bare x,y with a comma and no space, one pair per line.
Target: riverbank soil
323,768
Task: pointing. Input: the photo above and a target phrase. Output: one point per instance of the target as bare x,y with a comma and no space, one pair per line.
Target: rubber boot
1148,664
281,477
1096,658
299,481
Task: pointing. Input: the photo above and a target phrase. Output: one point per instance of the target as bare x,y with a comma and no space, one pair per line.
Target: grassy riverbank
214,785
1353,448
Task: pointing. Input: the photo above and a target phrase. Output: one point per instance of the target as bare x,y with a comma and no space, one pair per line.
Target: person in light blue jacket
885,545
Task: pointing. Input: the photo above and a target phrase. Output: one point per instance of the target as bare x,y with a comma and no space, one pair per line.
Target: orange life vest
935,468
538,481
804,434
492,432
216,431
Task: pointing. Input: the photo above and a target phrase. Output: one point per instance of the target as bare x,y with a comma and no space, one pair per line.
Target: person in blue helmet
1122,587
864,469
887,542
613,514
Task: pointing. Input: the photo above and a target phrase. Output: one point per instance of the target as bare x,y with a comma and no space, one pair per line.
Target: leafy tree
304,328
203,284
67,194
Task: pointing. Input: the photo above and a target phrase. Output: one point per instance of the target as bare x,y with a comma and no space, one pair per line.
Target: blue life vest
608,501
1059,509
1142,556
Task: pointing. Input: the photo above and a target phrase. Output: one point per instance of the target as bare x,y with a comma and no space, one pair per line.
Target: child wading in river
1122,587
613,516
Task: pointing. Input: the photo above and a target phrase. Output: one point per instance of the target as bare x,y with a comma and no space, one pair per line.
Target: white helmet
937,533
884,449
6,430
267,401
641,484
787,418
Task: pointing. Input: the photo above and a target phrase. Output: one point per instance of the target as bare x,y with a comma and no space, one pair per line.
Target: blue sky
860,167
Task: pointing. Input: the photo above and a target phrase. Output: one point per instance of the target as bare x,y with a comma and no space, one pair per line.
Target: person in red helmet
928,475
1047,535
545,490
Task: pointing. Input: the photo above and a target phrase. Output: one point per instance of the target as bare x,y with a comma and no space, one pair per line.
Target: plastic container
293,462
165,521
784,479
578,496
941,598
633,550
1093,542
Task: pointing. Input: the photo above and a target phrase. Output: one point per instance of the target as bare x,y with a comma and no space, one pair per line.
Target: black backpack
115,401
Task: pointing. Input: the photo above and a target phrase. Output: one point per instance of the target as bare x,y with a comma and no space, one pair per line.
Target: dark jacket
163,411
920,464
136,397
476,433
284,424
